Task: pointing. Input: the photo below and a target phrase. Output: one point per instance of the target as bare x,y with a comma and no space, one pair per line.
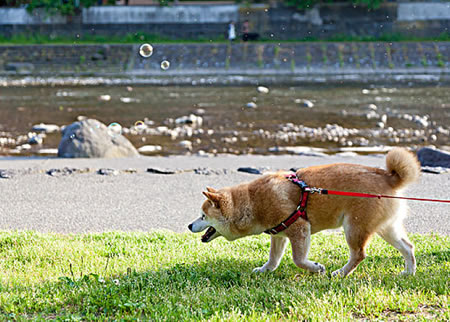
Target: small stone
161,171
108,172
48,151
435,170
61,172
262,89
6,174
249,170
251,105
24,147
46,128
105,98
202,153
433,157
129,100
35,139
150,148
186,144
191,119
372,107
304,103
207,171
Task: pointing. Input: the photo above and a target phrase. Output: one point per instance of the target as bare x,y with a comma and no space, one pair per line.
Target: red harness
300,212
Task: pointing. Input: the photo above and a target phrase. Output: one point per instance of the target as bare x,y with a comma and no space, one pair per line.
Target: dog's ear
213,197
209,189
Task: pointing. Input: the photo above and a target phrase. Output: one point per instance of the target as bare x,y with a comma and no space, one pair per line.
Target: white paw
321,269
406,273
339,272
261,269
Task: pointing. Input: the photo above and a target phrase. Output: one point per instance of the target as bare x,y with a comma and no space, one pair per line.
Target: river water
341,119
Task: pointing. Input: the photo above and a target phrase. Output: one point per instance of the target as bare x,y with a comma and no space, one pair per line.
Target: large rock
433,158
90,138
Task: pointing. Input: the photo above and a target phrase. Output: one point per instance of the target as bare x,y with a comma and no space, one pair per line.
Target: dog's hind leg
395,235
357,239
277,247
300,241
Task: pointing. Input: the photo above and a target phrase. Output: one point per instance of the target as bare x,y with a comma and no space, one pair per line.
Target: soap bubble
140,126
165,65
115,129
146,50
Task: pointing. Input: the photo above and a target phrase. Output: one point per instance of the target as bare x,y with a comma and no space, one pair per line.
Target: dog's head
220,217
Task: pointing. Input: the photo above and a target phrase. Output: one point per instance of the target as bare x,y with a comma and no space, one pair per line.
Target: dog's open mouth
210,234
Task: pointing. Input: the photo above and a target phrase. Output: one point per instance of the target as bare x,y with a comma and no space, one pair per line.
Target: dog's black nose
190,227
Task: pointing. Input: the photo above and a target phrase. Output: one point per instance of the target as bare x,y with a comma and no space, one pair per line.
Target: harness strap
300,212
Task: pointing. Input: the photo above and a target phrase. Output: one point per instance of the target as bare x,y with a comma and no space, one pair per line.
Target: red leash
368,195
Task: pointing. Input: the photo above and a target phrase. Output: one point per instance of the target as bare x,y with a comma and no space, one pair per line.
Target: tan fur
251,208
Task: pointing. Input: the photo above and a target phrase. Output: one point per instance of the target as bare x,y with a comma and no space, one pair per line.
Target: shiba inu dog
254,207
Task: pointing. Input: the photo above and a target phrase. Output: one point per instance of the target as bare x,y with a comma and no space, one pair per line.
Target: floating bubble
146,50
165,65
115,129
140,126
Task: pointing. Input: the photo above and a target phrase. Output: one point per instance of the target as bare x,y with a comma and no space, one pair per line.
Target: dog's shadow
230,272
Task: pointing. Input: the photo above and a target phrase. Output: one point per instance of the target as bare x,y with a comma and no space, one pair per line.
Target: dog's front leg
277,247
300,241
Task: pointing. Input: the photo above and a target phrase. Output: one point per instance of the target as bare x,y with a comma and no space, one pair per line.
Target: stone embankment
227,63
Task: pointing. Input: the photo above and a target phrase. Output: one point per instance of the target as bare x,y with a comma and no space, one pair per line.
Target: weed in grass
405,56
389,55
308,58
439,57
341,56
163,275
228,57
355,55
423,59
324,54
372,55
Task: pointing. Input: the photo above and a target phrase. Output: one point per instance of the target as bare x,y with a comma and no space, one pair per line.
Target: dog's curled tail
403,167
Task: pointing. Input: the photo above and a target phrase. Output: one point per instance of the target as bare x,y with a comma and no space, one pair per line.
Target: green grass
140,37
164,275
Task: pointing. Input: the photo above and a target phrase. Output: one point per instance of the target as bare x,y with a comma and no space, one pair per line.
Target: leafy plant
62,7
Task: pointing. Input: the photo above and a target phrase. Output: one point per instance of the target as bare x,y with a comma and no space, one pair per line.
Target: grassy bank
138,37
165,275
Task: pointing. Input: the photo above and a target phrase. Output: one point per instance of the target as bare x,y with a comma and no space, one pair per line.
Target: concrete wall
194,14
210,21
215,59
20,16
423,11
